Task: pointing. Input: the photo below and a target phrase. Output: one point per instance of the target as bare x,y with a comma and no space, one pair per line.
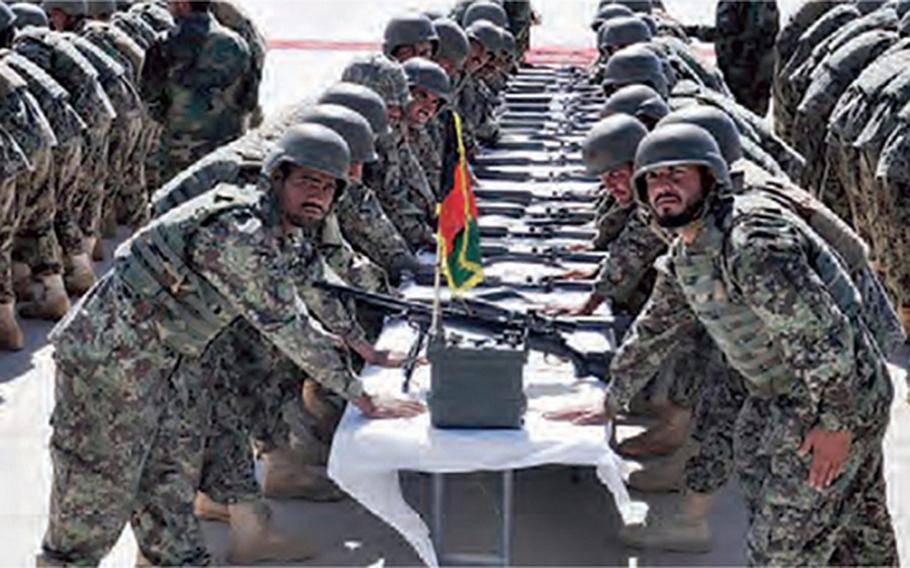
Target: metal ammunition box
477,386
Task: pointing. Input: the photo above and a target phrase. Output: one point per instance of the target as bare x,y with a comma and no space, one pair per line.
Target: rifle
527,197
485,173
548,255
487,161
551,144
543,334
551,216
537,232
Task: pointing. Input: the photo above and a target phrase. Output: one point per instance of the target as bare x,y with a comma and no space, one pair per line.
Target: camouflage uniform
627,277
125,129
15,167
809,360
129,202
79,211
22,118
132,397
197,85
521,18
402,189
746,32
37,244
230,14
428,150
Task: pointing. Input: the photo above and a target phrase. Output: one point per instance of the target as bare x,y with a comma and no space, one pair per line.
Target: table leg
505,535
439,527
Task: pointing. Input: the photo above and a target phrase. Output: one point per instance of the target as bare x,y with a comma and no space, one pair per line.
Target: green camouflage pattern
196,85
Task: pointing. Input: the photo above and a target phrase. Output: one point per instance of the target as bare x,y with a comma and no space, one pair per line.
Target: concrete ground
562,515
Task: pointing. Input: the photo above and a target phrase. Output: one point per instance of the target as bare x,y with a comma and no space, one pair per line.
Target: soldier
363,222
65,15
744,45
486,42
635,65
521,18
230,14
197,85
747,267
131,397
485,10
639,101
397,177
78,216
16,169
29,15
430,89
37,254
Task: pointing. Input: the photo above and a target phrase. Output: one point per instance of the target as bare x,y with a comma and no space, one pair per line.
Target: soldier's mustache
314,204
666,195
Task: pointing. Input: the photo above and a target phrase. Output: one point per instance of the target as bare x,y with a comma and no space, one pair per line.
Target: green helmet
487,34
618,33
351,125
383,75
488,11
453,42
313,146
716,122
408,29
7,17
101,8
68,7
676,145
29,15
509,45
635,65
360,99
425,74
640,101
611,143
608,12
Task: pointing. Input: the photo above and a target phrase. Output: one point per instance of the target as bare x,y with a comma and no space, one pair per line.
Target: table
368,454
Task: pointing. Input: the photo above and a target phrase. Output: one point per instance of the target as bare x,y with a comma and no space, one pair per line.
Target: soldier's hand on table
393,408
578,274
586,414
829,454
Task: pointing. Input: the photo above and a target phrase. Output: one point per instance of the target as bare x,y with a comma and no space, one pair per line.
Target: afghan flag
459,234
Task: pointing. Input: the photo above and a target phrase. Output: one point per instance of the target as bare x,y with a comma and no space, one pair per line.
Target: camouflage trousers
150,143
7,201
68,190
175,153
30,190
121,185
36,243
252,382
89,201
792,524
129,427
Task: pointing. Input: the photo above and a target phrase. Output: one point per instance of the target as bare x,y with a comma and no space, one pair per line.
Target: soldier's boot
683,530
664,438
287,475
52,304
80,275
11,336
23,285
666,474
255,538
207,508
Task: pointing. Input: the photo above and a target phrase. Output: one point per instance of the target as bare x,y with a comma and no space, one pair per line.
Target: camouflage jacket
770,272
196,81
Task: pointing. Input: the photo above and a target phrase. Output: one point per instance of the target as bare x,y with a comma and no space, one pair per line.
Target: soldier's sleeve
368,228
768,262
236,255
630,257
663,324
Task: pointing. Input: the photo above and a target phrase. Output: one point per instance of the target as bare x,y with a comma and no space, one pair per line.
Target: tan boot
80,275
286,475
207,508
142,561
97,250
23,285
52,305
664,438
11,336
664,474
683,530
255,538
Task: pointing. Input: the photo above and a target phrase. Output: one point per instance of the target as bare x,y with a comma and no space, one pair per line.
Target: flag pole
437,284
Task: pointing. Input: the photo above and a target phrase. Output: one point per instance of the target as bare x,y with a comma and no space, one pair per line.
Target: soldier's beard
685,217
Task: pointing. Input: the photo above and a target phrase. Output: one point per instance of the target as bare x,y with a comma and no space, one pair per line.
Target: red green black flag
459,234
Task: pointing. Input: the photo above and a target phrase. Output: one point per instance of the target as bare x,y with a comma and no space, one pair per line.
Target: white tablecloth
367,454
